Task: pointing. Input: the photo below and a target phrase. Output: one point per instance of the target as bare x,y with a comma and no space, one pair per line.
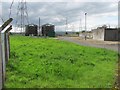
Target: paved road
111,46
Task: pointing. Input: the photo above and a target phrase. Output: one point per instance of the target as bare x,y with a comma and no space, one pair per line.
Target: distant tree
77,33
83,31
66,33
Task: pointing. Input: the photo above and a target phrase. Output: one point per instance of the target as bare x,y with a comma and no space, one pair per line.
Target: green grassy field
49,63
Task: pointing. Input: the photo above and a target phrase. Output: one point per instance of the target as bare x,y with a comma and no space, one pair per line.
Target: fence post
3,55
1,67
8,45
4,50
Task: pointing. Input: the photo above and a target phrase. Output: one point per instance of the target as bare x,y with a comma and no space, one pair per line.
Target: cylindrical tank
31,29
48,30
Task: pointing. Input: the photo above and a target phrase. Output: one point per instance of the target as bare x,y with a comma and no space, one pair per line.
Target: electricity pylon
22,16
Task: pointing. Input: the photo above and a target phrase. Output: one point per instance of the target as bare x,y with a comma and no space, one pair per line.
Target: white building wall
98,34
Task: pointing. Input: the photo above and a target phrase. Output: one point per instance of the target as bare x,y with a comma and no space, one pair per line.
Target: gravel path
91,43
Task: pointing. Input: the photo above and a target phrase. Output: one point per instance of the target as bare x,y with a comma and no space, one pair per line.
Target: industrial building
31,29
105,34
48,30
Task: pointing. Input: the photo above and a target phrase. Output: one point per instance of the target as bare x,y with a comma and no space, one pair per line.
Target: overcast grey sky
98,13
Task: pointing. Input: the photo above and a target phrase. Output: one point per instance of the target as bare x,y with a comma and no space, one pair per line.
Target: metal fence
4,49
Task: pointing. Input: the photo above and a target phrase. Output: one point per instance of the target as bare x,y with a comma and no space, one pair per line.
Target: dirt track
93,43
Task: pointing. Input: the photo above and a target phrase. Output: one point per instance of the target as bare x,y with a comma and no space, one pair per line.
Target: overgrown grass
49,63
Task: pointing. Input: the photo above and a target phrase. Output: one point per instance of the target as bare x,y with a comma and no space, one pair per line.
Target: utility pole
80,25
85,26
66,26
39,26
73,28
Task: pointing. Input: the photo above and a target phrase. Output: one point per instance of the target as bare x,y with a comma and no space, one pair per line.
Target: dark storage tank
48,30
31,29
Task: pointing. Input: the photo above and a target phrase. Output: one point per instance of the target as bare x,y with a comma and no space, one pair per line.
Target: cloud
57,12
64,0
